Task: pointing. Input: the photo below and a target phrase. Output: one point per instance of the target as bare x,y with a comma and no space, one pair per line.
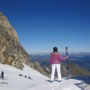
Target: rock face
11,51
6,25
39,68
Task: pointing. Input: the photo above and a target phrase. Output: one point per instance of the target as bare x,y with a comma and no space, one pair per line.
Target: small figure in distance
2,75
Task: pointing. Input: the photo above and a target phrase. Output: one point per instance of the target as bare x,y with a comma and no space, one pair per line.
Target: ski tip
66,49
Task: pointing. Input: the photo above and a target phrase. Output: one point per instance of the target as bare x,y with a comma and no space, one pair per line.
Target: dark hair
55,49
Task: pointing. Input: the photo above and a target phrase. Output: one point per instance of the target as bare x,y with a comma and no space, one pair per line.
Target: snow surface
38,82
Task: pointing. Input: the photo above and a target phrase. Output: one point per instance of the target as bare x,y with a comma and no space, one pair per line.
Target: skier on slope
2,75
55,58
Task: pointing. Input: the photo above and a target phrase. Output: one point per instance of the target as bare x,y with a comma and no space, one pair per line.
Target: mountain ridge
11,51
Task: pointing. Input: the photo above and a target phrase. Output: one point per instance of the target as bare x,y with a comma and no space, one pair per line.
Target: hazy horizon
47,53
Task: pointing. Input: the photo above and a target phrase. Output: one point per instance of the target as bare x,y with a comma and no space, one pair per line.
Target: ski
67,64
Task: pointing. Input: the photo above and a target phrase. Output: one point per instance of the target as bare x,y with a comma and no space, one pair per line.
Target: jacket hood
54,53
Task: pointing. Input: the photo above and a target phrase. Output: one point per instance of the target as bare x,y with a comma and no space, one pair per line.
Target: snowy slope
38,82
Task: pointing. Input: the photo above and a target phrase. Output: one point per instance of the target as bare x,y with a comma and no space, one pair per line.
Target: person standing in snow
55,58
2,75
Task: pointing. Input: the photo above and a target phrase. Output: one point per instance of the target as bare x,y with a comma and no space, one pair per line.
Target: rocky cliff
11,51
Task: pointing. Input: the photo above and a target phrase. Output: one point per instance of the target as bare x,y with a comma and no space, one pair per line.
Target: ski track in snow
38,82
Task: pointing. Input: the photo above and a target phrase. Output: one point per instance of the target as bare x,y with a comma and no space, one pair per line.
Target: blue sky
43,24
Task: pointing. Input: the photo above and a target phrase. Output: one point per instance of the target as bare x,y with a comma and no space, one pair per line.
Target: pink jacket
56,57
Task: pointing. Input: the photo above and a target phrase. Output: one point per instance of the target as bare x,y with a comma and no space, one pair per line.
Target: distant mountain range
82,59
